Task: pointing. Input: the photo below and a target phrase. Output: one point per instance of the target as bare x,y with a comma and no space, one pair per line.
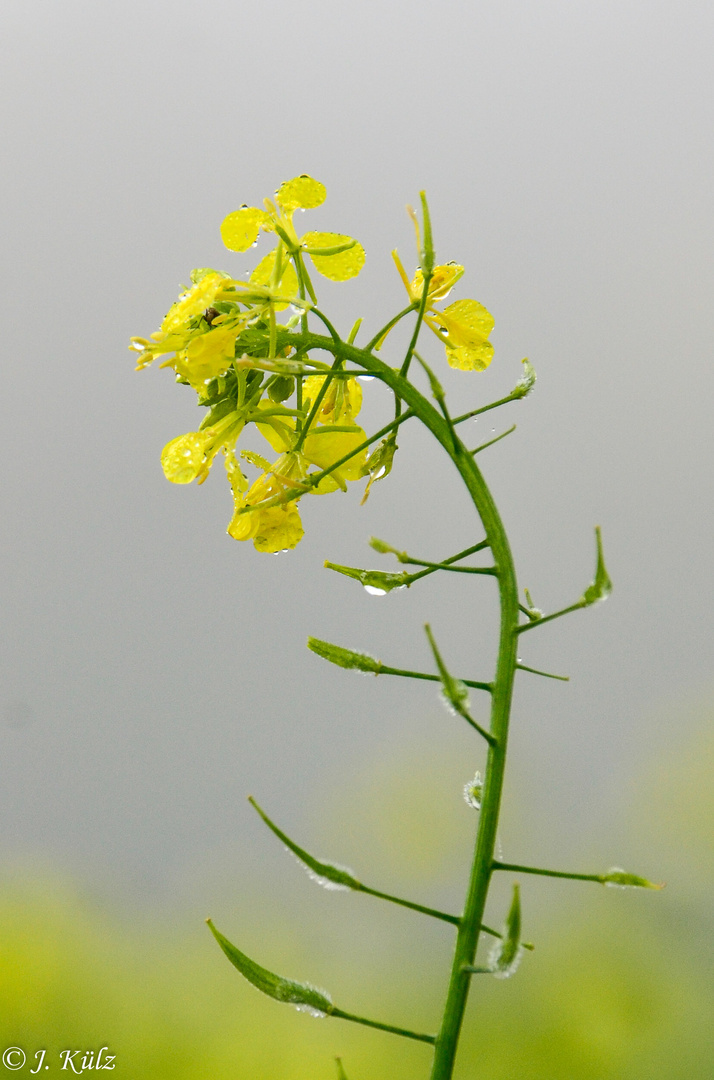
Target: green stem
601,879
421,908
387,327
417,326
545,674
381,1027
403,557
484,446
492,570
313,411
451,569
495,933
485,408
481,869
549,618
384,670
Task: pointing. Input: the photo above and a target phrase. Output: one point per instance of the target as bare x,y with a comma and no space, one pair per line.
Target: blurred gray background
154,671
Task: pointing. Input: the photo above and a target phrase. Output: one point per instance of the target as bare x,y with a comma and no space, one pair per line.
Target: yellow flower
323,446
463,327
334,255
193,301
342,400
207,355
198,340
271,528
189,457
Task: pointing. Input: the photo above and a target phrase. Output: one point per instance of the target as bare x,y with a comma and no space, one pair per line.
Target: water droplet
615,884
311,1011
327,883
473,791
366,378
494,958
375,592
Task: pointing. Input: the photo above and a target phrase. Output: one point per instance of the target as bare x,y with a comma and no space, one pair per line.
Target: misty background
153,671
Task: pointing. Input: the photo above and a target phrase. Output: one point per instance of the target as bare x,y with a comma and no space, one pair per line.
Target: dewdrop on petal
182,459
473,791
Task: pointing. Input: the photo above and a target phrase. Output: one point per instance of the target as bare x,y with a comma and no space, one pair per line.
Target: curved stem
502,691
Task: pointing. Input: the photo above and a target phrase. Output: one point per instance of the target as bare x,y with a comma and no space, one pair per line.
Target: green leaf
526,383
304,997
374,581
601,586
619,879
506,953
346,658
326,874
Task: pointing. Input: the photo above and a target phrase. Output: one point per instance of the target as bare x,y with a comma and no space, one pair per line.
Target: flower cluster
224,339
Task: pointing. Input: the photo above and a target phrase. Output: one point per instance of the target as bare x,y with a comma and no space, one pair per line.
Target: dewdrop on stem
473,791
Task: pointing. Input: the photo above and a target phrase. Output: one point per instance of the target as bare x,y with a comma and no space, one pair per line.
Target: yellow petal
208,355
240,229
467,322
234,473
278,528
442,282
278,430
324,450
342,401
471,357
303,192
242,526
192,302
288,283
340,267
182,459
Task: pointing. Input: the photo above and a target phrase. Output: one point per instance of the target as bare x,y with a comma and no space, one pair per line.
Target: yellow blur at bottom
619,986
593,1004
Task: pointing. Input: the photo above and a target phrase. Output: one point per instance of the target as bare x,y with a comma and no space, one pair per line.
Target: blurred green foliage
619,987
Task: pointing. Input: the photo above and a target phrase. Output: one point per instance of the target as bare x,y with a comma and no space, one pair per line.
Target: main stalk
481,869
